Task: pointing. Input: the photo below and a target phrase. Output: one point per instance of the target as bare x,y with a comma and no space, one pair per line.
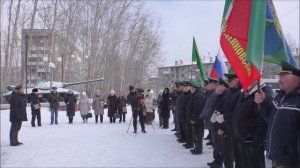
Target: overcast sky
181,20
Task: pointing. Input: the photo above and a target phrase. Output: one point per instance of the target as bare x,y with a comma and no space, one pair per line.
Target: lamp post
59,60
52,66
73,57
45,60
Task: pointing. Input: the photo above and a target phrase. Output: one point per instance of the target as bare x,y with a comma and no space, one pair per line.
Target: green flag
196,58
256,36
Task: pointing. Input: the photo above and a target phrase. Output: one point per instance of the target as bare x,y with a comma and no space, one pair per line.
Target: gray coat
84,105
98,102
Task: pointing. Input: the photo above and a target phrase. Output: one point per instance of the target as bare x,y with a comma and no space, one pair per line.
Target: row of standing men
242,124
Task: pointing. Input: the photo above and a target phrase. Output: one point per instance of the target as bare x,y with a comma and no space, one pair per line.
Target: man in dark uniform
186,126
175,94
135,100
214,101
181,107
224,124
195,107
210,87
283,116
17,114
178,103
249,128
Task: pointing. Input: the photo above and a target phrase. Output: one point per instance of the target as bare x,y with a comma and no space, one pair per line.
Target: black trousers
236,153
36,114
140,114
251,156
70,119
112,119
216,143
227,150
101,118
122,117
182,130
14,131
189,133
198,133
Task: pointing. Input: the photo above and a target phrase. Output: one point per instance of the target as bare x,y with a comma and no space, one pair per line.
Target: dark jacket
112,103
212,103
53,100
134,99
33,100
229,104
186,96
195,107
17,107
166,103
121,103
283,116
247,124
70,100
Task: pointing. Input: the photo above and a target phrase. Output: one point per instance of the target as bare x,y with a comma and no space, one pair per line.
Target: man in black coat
195,107
224,123
186,127
17,114
135,100
283,116
250,128
177,104
214,101
35,99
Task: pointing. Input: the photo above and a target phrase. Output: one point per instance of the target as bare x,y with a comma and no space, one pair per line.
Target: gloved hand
213,118
220,118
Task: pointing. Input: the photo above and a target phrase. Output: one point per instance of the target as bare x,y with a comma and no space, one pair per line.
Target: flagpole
191,69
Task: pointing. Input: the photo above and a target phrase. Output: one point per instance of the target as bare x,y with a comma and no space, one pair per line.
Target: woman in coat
122,106
112,103
70,100
98,103
149,104
165,106
84,107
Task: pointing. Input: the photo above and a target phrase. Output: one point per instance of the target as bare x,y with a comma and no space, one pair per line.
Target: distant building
37,68
167,75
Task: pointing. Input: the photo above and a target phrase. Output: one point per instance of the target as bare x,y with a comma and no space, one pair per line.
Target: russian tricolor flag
219,69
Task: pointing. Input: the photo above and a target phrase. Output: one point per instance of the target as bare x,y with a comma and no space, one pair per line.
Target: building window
182,75
177,76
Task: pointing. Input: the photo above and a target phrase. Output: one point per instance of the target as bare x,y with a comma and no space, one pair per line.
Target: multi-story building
167,75
40,54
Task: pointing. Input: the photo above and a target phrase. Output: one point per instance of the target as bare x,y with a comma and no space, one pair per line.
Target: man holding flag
283,116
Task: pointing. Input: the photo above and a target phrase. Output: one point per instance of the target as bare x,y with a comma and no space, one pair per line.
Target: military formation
245,126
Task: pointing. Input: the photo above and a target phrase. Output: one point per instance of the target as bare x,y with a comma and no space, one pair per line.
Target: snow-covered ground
94,145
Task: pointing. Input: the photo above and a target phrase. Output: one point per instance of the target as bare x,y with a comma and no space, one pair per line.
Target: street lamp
45,60
52,66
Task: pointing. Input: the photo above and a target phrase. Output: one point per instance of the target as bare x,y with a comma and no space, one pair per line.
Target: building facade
40,52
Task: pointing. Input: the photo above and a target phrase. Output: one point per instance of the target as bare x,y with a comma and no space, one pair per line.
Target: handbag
89,115
124,109
116,115
36,106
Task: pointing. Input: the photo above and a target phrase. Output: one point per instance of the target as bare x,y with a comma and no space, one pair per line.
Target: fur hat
131,88
35,90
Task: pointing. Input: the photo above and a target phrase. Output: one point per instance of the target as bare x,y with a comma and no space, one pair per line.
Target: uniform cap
193,84
222,82
212,80
35,90
287,68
